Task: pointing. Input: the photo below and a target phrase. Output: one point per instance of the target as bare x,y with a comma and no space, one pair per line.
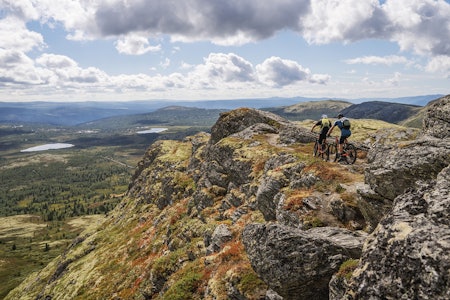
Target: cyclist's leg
341,144
322,139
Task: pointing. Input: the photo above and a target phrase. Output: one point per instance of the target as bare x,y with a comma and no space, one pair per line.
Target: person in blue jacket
344,125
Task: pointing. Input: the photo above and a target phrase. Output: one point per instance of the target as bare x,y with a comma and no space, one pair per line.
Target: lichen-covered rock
437,120
298,264
372,206
393,170
220,236
408,255
241,119
265,197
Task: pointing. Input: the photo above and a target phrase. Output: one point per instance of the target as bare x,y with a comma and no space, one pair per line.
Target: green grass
27,244
46,196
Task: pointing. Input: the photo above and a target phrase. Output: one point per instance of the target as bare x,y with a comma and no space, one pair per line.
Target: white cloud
226,22
342,20
394,80
18,70
15,35
165,64
378,60
439,64
420,25
225,67
135,45
279,72
52,61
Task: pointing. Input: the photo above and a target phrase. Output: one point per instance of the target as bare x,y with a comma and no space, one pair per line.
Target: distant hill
74,113
310,110
414,100
385,111
167,116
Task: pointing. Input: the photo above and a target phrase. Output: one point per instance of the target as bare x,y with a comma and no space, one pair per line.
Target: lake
152,130
48,147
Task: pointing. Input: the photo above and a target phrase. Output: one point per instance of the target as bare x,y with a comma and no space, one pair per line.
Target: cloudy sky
76,50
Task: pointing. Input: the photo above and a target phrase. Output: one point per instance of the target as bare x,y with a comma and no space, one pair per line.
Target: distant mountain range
69,114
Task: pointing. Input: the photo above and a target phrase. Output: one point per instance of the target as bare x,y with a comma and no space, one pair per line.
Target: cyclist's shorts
343,137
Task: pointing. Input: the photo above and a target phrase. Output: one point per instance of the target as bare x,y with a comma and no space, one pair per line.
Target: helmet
324,116
340,116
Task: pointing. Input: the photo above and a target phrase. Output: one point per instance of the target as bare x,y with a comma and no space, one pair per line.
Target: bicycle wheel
316,148
332,152
350,151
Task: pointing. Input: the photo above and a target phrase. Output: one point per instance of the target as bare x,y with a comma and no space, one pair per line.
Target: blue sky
78,50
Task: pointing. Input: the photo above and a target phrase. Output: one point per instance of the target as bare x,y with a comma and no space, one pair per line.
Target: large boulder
298,264
394,169
408,255
241,119
437,120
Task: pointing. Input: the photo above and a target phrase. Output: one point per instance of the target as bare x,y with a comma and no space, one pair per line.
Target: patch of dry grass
20,226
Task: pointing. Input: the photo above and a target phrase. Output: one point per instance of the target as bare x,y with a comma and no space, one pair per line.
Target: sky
118,50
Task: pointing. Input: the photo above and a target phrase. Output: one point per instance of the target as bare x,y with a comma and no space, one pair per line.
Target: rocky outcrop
298,264
404,164
437,121
239,120
407,255
395,168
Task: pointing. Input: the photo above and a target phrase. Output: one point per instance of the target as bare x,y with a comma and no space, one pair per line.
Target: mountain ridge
197,212
70,114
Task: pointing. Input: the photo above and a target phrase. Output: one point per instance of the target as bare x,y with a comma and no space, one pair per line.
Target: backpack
346,124
326,123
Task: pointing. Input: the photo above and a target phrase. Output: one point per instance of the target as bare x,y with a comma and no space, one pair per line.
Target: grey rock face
239,120
408,255
372,206
220,236
260,121
437,120
298,264
393,170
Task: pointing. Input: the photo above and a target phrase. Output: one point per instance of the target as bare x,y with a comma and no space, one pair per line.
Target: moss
339,188
186,284
174,151
184,181
166,265
347,268
313,221
250,282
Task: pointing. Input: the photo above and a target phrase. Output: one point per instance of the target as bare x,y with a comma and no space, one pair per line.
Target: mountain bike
348,154
321,151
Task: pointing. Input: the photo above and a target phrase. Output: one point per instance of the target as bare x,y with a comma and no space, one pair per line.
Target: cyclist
344,125
325,125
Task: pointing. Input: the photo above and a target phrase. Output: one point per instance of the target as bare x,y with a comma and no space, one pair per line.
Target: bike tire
332,152
316,148
350,149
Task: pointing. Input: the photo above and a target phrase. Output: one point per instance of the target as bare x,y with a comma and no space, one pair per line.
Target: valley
48,197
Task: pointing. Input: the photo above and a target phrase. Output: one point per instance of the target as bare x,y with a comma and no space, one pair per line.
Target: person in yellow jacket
325,125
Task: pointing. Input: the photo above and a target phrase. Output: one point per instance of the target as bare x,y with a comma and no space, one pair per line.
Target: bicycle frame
349,152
